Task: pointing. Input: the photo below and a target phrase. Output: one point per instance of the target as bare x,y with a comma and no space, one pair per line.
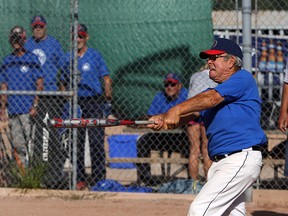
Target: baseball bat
18,161
11,151
93,122
14,152
286,157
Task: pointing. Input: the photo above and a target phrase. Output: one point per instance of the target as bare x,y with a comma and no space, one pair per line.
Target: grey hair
238,61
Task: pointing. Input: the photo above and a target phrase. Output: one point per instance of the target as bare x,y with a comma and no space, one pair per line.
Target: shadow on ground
267,213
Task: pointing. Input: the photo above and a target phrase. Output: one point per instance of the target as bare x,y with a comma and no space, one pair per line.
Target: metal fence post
247,50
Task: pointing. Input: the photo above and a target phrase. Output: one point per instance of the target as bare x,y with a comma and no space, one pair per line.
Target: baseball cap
82,30
222,45
38,20
172,77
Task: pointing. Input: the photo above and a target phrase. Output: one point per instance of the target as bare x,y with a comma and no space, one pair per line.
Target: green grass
31,179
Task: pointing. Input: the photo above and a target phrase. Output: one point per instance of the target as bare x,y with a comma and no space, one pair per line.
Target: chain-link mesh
269,62
135,43
33,154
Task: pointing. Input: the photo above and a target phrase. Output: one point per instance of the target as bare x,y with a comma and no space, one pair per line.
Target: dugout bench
172,163
275,137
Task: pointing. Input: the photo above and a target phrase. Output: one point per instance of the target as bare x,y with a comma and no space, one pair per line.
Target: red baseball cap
38,20
82,30
223,45
172,77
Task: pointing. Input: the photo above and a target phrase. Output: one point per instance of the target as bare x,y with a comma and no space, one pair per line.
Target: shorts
195,122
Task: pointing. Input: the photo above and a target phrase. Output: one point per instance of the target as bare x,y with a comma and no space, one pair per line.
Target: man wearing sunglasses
49,52
231,114
173,94
91,97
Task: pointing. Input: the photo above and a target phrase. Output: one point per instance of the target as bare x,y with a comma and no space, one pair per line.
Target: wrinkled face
39,32
172,89
82,40
220,67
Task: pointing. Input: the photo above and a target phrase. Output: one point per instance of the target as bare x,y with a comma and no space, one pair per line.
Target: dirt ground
74,203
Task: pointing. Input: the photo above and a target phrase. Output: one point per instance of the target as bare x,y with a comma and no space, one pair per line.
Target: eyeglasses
38,26
214,57
166,85
81,36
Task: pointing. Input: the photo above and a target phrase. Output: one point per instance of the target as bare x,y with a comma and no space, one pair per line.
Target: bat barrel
83,123
75,123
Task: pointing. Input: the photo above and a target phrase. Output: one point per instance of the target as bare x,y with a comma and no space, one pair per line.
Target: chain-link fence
269,62
139,54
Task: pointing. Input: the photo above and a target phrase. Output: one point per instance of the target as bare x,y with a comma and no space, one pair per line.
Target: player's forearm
108,87
39,87
3,98
198,103
40,84
36,101
184,120
283,117
284,101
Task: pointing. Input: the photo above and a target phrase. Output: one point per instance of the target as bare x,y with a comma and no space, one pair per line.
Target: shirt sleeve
2,79
154,108
64,67
38,68
190,90
60,54
232,89
101,65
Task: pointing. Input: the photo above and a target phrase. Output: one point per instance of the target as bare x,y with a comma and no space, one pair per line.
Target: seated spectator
174,94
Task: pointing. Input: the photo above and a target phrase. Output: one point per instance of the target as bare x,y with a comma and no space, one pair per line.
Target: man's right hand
171,118
282,122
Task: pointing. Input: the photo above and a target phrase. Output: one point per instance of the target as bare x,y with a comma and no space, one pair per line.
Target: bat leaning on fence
10,150
93,122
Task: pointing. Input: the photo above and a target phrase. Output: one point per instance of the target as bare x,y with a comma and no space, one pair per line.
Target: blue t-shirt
49,52
161,104
20,73
234,124
92,68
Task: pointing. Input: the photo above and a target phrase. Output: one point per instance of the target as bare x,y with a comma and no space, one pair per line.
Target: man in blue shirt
19,72
231,115
92,70
49,52
174,94
48,148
